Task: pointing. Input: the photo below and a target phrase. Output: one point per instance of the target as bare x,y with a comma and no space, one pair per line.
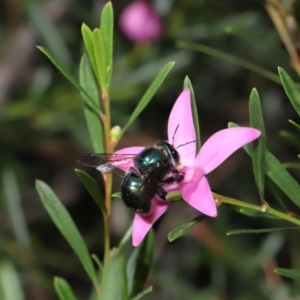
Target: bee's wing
107,162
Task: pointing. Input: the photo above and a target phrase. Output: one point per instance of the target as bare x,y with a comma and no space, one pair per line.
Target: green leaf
10,283
291,138
229,58
127,236
277,193
13,204
123,278
97,261
188,85
145,292
117,195
63,289
63,221
107,27
149,94
184,228
258,148
49,32
62,69
279,175
139,264
294,124
294,274
282,178
291,89
113,284
291,165
87,35
253,213
93,188
256,231
290,273
91,105
100,58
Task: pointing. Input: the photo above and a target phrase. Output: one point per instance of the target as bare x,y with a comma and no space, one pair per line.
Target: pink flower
195,189
140,22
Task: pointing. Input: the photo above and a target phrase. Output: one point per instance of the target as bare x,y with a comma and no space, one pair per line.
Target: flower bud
140,22
115,133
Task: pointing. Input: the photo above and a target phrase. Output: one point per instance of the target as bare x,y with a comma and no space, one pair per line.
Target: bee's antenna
187,143
174,134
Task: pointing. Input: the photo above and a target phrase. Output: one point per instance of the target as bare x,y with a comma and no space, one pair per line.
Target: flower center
188,174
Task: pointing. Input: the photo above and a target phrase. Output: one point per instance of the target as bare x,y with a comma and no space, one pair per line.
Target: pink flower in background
140,22
194,188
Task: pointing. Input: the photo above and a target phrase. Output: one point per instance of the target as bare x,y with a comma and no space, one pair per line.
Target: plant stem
108,185
108,177
277,14
261,208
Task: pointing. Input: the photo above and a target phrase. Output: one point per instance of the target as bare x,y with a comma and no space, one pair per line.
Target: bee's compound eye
175,155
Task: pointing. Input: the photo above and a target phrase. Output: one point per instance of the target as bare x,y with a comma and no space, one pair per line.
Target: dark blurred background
43,132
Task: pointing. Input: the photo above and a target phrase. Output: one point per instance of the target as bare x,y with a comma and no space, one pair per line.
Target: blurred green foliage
43,132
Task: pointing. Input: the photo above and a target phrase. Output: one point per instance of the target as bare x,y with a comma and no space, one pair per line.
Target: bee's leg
177,177
133,170
161,192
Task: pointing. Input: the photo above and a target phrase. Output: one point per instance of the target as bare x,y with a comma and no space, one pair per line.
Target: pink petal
200,197
126,162
222,144
181,115
142,224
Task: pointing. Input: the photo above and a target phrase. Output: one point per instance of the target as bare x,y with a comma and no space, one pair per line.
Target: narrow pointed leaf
91,105
63,70
87,36
107,27
277,194
256,231
93,188
294,274
258,148
100,59
10,283
143,293
291,89
187,84
253,213
126,238
117,195
229,58
139,264
294,124
63,221
279,175
113,284
13,203
282,178
149,94
49,32
97,261
292,165
184,228
63,289
123,278
291,138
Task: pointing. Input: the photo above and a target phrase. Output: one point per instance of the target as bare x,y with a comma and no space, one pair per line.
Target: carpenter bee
148,176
